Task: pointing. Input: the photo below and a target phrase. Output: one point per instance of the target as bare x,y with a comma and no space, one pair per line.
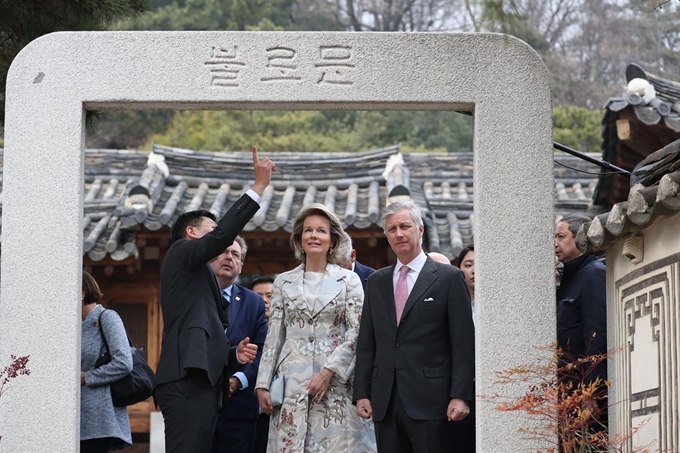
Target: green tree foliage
217,15
318,131
179,15
128,129
22,21
578,127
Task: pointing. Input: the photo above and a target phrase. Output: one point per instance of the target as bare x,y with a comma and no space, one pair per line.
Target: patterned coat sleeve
274,340
342,359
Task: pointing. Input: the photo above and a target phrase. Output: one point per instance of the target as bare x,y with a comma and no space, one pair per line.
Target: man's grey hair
345,248
574,222
398,206
244,248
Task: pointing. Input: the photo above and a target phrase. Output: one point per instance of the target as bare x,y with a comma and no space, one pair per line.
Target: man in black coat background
581,314
415,355
196,357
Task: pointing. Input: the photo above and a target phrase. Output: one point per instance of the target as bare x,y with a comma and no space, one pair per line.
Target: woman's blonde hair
337,233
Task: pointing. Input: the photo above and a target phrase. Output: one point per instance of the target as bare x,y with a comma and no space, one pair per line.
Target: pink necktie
401,292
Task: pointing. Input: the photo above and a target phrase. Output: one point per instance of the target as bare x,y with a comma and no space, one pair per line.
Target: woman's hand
265,401
319,384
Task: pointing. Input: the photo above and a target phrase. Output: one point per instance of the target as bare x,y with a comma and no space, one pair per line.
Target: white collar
415,265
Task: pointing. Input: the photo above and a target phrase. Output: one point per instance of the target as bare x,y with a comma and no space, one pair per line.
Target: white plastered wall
57,77
643,332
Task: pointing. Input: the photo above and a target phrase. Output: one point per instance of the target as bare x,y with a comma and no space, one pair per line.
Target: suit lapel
329,289
219,302
236,304
387,288
294,290
426,278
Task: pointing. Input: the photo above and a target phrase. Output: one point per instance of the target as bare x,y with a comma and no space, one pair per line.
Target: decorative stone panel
647,320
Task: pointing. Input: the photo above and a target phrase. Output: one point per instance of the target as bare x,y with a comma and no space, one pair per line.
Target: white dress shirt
416,266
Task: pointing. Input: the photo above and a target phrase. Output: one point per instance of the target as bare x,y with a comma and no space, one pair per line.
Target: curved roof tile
123,195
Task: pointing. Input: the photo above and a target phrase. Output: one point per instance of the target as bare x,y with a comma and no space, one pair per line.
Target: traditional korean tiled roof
652,121
664,107
128,191
655,193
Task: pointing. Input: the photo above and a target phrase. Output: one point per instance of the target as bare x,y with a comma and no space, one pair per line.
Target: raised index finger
255,158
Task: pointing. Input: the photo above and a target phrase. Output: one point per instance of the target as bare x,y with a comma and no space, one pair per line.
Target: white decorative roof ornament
643,88
159,161
392,161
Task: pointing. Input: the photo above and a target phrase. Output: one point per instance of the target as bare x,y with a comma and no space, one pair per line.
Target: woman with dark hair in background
313,333
103,426
463,432
466,263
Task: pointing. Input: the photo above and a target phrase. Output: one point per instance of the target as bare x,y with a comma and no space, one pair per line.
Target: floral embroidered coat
303,340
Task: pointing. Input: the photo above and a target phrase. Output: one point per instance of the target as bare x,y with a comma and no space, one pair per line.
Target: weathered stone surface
56,77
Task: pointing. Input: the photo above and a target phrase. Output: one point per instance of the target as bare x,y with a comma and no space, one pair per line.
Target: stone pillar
55,78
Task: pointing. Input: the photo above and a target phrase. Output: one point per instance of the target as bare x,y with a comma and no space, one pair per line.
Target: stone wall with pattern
644,330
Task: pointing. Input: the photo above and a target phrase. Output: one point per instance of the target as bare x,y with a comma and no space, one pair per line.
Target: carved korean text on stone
281,65
335,64
225,67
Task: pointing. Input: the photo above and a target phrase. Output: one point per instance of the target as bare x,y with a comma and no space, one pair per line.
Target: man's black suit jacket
430,354
191,301
363,272
247,320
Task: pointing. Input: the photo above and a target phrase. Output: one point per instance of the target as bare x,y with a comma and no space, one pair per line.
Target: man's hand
246,351
364,408
263,172
458,409
234,384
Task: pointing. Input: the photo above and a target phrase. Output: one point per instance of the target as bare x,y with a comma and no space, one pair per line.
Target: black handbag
134,387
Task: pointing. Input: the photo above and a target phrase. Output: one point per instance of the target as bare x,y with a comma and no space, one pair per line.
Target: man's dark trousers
399,433
195,395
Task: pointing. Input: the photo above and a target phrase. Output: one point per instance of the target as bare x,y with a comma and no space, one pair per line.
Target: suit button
310,321
397,345
393,369
311,338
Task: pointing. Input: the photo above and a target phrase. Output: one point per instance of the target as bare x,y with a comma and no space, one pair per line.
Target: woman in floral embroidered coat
314,326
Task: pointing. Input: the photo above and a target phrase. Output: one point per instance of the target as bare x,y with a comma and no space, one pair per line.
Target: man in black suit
349,261
237,421
196,356
415,356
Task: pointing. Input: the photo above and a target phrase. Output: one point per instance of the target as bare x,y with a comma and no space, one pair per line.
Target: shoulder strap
106,343
101,332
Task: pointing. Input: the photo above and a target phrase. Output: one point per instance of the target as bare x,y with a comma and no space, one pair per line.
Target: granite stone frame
55,79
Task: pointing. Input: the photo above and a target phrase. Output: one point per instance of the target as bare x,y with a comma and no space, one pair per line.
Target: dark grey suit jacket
191,301
430,354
